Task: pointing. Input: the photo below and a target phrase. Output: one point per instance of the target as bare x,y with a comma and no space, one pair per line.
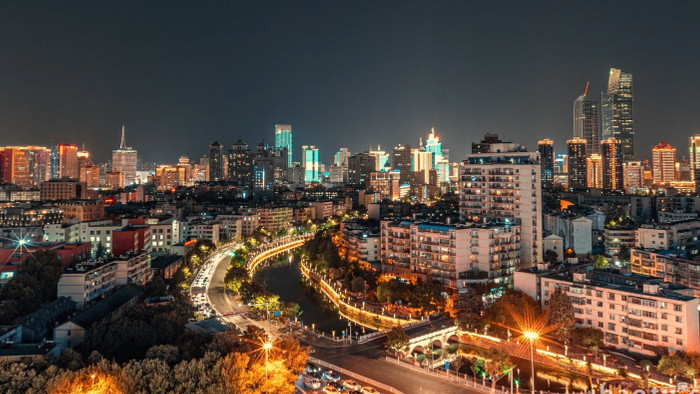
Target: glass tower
283,139
586,122
618,112
310,163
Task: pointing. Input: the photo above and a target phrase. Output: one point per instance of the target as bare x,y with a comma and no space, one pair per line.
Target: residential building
99,234
577,164
82,210
361,243
216,162
595,171
505,187
671,266
386,183
201,230
617,237
554,243
546,149
695,161
633,174
401,162
240,165
68,161
62,189
683,236
577,231
636,313
360,166
664,163
275,219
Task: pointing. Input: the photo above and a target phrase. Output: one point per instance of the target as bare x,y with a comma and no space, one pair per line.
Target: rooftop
103,308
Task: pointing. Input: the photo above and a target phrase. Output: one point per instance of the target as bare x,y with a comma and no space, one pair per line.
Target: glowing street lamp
532,336
267,346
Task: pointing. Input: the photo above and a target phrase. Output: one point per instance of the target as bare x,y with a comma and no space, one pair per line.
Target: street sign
447,365
277,313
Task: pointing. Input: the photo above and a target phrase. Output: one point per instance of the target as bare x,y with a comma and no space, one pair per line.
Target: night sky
343,73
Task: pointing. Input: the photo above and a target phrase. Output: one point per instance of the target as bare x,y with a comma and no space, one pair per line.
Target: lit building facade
663,163
546,149
283,139
310,164
611,152
25,165
586,122
618,112
125,160
576,156
216,162
595,171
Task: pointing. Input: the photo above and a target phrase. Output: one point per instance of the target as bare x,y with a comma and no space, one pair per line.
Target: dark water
284,279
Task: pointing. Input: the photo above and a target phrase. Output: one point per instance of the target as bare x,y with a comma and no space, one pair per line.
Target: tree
589,337
428,296
396,339
601,262
674,365
624,254
358,285
550,256
100,251
496,364
561,314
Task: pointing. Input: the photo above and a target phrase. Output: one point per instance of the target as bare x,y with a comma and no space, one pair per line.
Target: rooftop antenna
585,93
122,145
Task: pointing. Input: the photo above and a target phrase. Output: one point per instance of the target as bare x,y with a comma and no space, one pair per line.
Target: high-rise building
401,162
216,162
433,145
611,153
578,170
310,163
240,164
421,164
633,173
125,160
68,157
55,162
663,163
595,171
381,158
695,161
24,165
269,166
618,112
492,143
546,149
360,167
283,139
586,121
341,157
505,188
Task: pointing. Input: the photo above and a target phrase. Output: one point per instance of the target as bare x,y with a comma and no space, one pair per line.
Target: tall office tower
695,161
421,164
401,162
341,157
611,152
663,158
283,139
382,158
546,149
586,121
595,171
25,165
269,166
84,158
240,164
216,162
360,167
618,112
55,162
577,163
492,143
309,164
489,192
433,145
125,160
633,174
68,157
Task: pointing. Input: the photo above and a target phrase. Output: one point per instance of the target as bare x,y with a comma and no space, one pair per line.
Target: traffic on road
317,380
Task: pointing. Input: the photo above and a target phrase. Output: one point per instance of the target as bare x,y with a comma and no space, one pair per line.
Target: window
679,331
679,342
612,306
611,327
664,339
678,308
664,327
679,319
599,294
611,296
600,314
600,324
600,304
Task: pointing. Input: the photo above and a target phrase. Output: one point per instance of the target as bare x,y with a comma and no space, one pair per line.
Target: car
330,390
351,385
312,383
331,376
312,368
369,390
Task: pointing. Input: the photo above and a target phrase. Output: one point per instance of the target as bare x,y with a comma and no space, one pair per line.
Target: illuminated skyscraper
401,162
578,170
611,153
586,122
283,139
618,112
341,157
68,161
382,158
633,173
433,145
310,163
663,163
695,160
125,160
546,149
24,165
595,171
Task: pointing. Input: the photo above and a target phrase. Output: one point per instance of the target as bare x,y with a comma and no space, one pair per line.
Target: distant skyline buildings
125,160
284,139
618,111
310,163
587,121
546,150
216,162
663,163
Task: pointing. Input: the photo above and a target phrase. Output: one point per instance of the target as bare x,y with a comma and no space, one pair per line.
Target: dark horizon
181,75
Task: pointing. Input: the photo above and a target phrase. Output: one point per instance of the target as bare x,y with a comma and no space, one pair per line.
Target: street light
267,346
532,336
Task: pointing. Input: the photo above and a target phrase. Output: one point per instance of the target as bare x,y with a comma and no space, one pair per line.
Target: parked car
369,390
330,390
331,376
312,383
312,368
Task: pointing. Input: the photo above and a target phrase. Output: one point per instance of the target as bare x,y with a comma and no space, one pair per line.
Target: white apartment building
98,232
201,230
88,281
684,236
164,233
636,313
360,243
505,187
231,226
322,210
495,251
577,231
69,233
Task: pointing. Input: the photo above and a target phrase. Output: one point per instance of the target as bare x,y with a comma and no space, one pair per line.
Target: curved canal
284,279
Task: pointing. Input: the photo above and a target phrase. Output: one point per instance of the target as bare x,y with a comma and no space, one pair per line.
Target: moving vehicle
330,376
351,385
369,390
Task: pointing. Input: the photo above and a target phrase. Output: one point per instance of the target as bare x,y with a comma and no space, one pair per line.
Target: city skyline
335,84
